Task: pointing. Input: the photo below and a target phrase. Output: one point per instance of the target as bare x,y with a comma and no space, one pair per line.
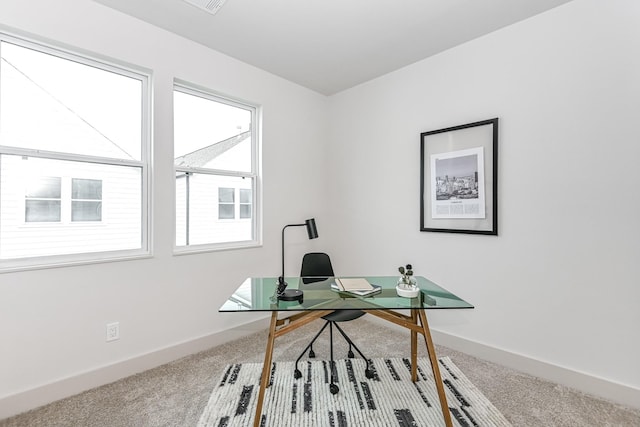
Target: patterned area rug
387,399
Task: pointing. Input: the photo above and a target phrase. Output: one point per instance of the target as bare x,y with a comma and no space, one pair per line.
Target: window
73,157
86,199
226,203
215,147
245,203
43,200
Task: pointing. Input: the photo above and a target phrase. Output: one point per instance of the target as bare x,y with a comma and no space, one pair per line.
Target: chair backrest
316,266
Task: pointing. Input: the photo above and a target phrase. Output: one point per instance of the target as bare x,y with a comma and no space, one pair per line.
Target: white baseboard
600,387
587,383
30,399
33,398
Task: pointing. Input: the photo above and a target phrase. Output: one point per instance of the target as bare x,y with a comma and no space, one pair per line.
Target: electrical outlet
113,331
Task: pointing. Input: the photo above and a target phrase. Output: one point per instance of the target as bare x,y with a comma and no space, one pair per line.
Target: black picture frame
466,201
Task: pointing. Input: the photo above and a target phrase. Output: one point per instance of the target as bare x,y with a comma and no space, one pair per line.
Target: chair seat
343,315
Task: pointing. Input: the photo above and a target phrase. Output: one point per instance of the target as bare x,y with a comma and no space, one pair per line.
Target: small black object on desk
285,294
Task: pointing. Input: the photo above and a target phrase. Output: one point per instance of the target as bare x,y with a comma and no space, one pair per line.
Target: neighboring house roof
201,157
45,118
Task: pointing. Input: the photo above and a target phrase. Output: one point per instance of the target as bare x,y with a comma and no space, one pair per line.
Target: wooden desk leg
435,368
266,368
414,348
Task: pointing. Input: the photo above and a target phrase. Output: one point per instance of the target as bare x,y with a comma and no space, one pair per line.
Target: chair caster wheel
334,389
312,355
297,374
368,373
350,354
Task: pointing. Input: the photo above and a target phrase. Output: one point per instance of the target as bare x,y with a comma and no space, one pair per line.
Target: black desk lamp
294,294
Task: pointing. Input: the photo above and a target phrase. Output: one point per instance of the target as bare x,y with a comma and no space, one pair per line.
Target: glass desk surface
258,294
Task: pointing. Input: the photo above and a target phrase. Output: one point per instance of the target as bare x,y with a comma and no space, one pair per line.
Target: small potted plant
407,286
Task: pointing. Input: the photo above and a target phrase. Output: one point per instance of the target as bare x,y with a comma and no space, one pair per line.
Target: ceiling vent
211,6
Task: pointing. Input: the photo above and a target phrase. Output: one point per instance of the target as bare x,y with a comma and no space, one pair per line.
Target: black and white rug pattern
387,399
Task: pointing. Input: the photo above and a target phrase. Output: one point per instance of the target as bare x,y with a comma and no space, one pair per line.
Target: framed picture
459,179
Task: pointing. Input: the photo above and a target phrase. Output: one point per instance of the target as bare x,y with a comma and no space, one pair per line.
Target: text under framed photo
459,179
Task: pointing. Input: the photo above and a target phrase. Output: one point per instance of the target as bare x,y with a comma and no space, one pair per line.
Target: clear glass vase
407,288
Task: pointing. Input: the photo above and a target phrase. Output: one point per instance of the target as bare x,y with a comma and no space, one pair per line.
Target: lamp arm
281,278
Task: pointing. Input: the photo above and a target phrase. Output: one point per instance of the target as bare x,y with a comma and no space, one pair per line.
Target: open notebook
358,286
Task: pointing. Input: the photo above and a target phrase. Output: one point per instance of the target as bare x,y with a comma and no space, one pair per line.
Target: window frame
232,203
28,198
241,204
99,62
254,175
74,200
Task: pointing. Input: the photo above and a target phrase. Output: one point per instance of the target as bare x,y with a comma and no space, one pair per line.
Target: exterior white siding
119,228
204,224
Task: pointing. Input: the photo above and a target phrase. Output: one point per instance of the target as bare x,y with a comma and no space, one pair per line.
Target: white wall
52,322
560,284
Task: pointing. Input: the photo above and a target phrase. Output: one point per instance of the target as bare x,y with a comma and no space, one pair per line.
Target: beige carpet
177,393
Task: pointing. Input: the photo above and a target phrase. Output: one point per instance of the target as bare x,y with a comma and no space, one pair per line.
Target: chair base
333,388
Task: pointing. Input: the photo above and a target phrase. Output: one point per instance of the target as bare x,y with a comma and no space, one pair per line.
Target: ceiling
332,45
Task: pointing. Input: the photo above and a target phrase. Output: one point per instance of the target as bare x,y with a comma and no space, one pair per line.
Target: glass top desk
320,299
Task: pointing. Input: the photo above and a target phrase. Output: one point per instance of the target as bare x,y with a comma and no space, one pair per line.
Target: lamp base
291,295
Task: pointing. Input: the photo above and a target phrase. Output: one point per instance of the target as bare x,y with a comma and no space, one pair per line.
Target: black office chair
316,267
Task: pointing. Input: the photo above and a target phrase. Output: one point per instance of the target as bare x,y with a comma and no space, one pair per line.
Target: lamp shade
312,231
